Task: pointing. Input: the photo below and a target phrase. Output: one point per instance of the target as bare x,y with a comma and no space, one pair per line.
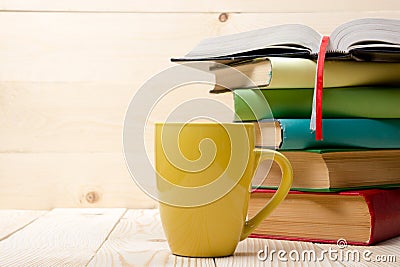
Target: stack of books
348,184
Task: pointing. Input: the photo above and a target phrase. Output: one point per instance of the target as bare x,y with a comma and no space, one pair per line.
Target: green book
359,102
280,72
295,134
334,170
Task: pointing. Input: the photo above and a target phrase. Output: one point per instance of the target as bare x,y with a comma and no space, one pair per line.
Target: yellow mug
204,173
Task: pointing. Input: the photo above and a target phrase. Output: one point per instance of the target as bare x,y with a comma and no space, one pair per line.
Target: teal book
346,102
295,134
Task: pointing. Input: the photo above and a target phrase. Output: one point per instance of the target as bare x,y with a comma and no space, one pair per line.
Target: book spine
356,102
385,216
342,133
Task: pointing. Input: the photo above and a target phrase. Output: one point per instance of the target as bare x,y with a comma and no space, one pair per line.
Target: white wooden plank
72,237
69,117
12,221
77,116
63,237
138,240
92,47
293,254
126,47
196,6
47,180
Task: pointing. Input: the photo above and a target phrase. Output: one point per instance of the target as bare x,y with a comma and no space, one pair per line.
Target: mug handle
280,194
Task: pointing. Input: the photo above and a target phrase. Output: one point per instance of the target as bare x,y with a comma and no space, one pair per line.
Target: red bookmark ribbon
319,85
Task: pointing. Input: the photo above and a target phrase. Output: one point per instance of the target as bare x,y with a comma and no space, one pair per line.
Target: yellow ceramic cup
204,173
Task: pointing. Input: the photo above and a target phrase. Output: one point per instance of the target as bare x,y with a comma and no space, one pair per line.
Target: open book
368,39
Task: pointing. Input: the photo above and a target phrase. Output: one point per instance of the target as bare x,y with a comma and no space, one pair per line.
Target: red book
362,217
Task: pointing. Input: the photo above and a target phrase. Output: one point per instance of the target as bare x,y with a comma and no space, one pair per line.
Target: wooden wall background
68,70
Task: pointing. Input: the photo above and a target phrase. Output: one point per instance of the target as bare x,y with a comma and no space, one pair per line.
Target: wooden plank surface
138,240
62,117
77,116
62,237
119,237
195,6
48,180
12,221
116,47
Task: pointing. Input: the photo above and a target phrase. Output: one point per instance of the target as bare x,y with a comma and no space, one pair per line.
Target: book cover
346,102
362,217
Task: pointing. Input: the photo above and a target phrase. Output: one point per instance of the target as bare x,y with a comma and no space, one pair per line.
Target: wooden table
121,237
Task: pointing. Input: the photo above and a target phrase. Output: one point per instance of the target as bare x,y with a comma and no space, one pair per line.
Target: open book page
289,38
365,31
368,39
